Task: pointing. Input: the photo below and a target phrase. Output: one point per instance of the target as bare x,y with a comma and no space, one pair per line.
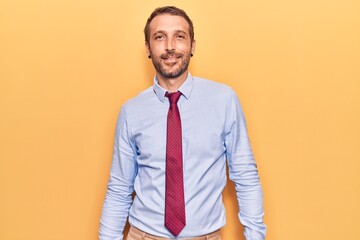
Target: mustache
170,54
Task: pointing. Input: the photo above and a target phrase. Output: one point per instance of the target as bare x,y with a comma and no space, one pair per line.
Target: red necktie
174,185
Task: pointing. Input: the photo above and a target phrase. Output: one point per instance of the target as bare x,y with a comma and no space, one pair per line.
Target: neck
172,84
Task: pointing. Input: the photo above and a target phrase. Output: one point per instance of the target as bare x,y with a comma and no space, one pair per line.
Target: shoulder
212,87
139,99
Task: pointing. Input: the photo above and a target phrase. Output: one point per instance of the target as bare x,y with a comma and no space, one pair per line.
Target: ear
147,47
193,46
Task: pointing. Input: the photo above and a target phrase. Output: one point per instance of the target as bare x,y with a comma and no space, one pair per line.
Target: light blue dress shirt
214,130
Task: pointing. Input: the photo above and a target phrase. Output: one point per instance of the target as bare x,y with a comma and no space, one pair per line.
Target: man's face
170,45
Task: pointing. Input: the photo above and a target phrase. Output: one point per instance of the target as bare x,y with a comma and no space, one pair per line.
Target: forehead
168,23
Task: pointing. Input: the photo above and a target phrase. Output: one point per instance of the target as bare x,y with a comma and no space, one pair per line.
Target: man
171,146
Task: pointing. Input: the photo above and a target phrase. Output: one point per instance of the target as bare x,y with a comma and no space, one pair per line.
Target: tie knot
173,97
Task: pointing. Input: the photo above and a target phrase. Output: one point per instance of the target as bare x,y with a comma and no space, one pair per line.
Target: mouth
170,58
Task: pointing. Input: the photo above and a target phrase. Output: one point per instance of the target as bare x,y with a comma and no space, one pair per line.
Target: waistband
144,234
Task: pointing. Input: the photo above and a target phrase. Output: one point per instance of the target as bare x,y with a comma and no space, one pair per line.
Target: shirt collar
185,88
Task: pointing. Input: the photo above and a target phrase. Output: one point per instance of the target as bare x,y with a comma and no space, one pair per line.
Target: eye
159,37
180,36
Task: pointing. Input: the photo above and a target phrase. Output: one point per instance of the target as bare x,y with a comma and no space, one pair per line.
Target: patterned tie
174,186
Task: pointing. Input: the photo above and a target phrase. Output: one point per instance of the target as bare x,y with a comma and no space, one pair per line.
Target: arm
243,172
121,184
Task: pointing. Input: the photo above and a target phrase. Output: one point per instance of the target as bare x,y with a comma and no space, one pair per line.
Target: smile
171,59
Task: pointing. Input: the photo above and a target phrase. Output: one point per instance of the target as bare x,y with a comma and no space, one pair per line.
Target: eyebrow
165,33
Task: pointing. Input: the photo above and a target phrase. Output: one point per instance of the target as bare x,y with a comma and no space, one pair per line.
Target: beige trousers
137,234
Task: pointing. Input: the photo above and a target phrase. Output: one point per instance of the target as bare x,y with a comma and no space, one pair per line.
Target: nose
170,44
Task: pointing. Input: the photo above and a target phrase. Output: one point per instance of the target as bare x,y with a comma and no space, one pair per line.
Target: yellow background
67,66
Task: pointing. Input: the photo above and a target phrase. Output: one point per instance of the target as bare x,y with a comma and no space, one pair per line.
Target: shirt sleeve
243,172
121,183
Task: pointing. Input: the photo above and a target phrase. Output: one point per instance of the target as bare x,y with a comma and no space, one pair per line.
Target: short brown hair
172,11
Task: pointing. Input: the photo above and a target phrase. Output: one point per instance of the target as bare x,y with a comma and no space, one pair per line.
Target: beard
172,70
